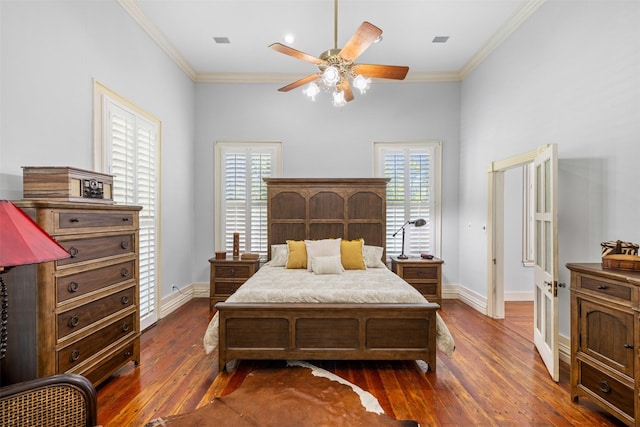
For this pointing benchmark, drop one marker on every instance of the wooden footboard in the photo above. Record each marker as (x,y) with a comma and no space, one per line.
(327,332)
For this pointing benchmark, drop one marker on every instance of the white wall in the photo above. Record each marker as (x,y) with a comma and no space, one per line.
(570,75)
(322,141)
(51,53)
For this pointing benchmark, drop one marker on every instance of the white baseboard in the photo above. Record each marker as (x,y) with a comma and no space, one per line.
(518,296)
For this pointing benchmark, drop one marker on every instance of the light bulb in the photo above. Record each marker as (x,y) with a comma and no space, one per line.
(362,83)
(338,99)
(330,76)
(312,90)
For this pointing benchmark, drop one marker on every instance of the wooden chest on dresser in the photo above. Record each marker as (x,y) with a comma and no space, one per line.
(605,339)
(422,274)
(227,275)
(78,314)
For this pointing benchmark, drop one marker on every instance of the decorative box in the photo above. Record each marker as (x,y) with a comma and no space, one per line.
(619,247)
(63,183)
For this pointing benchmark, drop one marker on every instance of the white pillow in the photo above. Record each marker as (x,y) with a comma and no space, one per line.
(373,256)
(326,264)
(324,247)
(279,255)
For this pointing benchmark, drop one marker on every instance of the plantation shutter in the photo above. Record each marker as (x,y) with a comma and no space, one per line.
(244,201)
(132,143)
(410,196)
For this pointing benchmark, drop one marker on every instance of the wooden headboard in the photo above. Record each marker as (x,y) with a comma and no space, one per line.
(319,208)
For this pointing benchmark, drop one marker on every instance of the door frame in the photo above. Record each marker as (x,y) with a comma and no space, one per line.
(495,228)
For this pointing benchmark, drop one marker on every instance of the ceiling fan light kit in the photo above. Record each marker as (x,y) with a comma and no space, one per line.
(338,72)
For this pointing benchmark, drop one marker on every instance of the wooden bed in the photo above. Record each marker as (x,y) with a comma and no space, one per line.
(301,209)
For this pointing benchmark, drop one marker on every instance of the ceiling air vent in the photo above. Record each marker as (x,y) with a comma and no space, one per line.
(440,39)
(221,40)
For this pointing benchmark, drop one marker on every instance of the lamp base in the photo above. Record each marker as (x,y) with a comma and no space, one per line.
(402,256)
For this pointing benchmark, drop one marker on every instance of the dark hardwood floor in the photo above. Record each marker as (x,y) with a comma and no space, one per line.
(495,376)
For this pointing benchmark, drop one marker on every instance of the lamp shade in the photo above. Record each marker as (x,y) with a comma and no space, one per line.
(22,241)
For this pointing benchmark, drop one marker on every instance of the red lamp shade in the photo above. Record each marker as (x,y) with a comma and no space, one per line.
(22,241)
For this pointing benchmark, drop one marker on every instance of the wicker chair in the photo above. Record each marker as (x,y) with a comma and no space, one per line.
(59,400)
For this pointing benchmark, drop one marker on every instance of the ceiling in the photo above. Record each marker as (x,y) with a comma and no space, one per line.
(185,29)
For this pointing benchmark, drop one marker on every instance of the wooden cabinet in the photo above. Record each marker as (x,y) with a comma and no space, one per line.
(78,314)
(226,276)
(423,274)
(605,339)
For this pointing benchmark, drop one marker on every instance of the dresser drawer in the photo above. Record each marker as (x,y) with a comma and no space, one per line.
(102,370)
(225,287)
(607,388)
(79,284)
(619,291)
(72,220)
(80,351)
(232,271)
(426,288)
(80,317)
(97,247)
(410,273)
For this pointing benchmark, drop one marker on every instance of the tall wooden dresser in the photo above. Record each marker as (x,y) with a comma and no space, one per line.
(605,339)
(78,314)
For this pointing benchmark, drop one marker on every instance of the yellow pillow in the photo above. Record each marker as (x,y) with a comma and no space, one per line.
(351,254)
(297,254)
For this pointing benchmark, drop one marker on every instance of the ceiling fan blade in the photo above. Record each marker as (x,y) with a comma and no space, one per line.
(364,37)
(279,47)
(299,83)
(397,72)
(345,87)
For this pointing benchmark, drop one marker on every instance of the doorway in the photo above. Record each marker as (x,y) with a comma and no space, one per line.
(509,205)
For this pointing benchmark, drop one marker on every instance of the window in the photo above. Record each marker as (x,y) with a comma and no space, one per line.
(242,193)
(528,217)
(127,147)
(413,193)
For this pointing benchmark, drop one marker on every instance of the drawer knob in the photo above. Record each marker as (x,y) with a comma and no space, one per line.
(125,299)
(124,244)
(125,219)
(73,251)
(73,287)
(233,271)
(74,219)
(628,346)
(127,354)
(601,287)
(125,327)
(604,387)
(75,355)
(124,272)
(73,321)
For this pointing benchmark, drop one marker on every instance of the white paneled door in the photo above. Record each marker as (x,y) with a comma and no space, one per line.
(545,325)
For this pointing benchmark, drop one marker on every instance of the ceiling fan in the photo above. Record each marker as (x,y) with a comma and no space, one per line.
(338,72)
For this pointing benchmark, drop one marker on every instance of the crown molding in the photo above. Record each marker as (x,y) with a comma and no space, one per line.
(150,28)
(521,15)
(518,18)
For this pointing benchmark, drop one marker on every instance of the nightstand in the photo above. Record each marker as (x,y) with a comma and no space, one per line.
(226,276)
(423,274)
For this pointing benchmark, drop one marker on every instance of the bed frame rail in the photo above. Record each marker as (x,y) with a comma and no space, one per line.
(327,332)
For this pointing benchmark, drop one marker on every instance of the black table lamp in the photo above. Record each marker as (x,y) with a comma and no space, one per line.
(417,223)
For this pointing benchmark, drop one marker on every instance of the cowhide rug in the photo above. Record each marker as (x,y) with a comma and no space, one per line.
(298,395)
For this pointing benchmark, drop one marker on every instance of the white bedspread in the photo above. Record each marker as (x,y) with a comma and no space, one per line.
(374,285)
